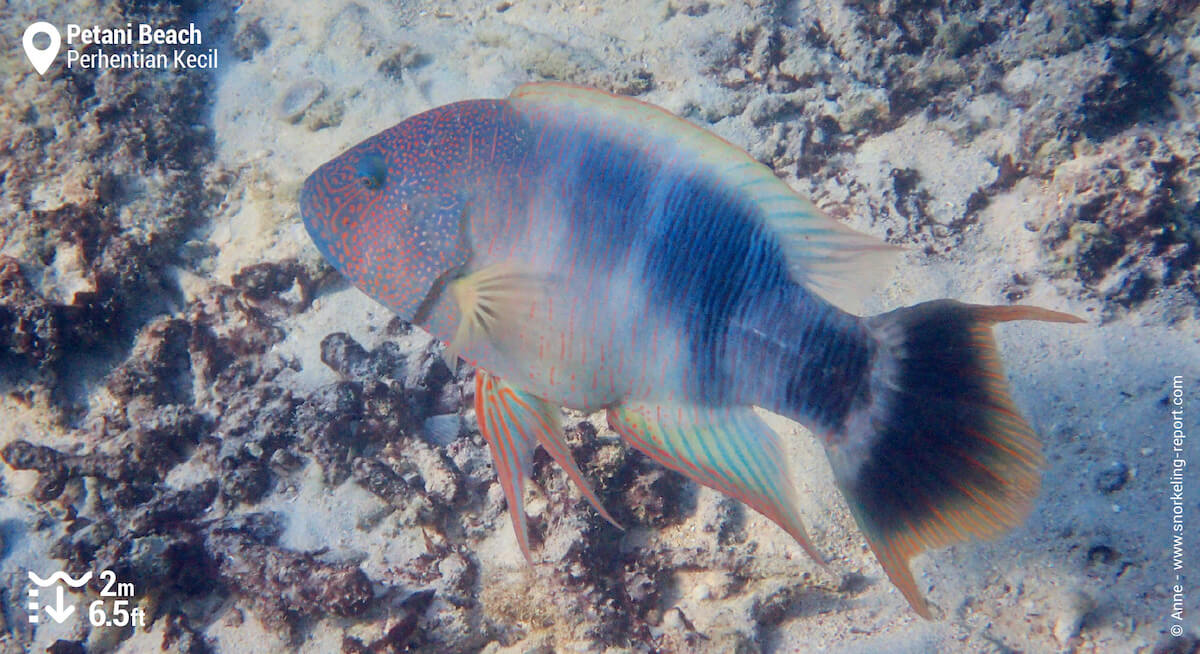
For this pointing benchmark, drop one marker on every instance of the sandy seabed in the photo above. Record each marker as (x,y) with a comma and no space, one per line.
(192,399)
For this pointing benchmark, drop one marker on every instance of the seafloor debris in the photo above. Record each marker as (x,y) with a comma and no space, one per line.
(103,175)
(250,38)
(1126,221)
(396,638)
(277,288)
(1113,478)
(30,328)
(285,585)
(57,468)
(180,637)
(297,98)
(406,56)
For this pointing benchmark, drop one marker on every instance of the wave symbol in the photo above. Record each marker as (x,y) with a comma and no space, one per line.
(60,576)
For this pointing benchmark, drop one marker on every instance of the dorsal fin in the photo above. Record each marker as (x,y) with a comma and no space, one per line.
(830,259)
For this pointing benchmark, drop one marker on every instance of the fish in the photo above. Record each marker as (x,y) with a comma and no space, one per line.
(591,251)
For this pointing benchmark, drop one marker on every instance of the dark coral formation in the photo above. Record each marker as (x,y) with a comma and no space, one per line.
(1125,225)
(250,431)
(101,252)
(288,585)
(1066,79)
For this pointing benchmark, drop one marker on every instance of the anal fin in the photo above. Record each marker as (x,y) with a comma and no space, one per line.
(727,448)
(513,422)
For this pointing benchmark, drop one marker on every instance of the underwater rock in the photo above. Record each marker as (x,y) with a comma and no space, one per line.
(436,476)
(407,56)
(170,562)
(159,367)
(960,34)
(57,468)
(250,39)
(720,515)
(297,99)
(819,141)
(30,328)
(23,455)
(261,526)
(281,288)
(246,483)
(1113,478)
(633,488)
(1120,226)
(284,586)
(1127,85)
(399,636)
(382,480)
(427,369)
(173,507)
(652,496)
(344,355)
(179,637)
(326,423)
(1093,92)
(627,81)
(326,112)
(257,423)
(104,173)
(229,338)
(164,436)
(62,646)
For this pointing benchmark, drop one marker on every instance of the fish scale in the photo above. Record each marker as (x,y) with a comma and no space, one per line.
(590,251)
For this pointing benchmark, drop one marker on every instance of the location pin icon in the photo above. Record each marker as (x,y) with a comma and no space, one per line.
(41,58)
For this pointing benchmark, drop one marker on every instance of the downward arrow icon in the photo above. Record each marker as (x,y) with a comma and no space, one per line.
(58,613)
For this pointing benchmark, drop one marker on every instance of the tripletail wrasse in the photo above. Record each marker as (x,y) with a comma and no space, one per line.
(595,252)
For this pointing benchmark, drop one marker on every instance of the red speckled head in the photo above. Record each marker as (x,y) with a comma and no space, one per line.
(390,212)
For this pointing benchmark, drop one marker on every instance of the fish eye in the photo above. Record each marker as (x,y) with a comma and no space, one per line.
(371,172)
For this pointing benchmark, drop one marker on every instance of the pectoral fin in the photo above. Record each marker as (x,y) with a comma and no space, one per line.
(729,449)
(495,304)
(513,422)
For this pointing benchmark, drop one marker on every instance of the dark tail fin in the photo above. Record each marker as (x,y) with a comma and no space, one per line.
(940,455)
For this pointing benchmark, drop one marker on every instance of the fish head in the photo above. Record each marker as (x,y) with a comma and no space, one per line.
(390,216)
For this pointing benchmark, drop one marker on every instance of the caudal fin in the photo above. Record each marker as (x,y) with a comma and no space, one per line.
(941,454)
